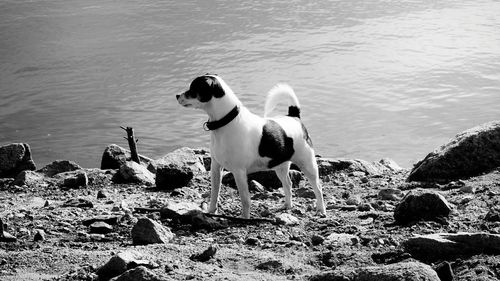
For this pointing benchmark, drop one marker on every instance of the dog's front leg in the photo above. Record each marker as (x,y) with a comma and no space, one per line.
(215,176)
(241,181)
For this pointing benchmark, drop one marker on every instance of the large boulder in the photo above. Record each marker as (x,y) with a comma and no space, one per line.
(468,154)
(114,156)
(73,179)
(327,166)
(177,168)
(404,271)
(14,158)
(421,205)
(31,179)
(184,158)
(59,166)
(441,246)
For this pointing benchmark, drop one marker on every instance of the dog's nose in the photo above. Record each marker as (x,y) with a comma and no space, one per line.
(177,96)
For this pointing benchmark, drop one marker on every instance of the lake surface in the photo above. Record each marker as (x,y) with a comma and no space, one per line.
(381,78)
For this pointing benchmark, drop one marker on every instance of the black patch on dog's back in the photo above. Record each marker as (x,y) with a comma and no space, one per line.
(275,144)
(204,88)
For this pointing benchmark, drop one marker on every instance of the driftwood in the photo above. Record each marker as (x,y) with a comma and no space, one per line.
(132,143)
(231,218)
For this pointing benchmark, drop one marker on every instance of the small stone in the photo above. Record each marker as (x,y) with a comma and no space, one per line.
(78,203)
(102,194)
(421,205)
(341,239)
(287,219)
(147,231)
(255,186)
(39,235)
(391,194)
(252,241)
(205,255)
(468,189)
(493,215)
(353,200)
(100,227)
(317,240)
(444,271)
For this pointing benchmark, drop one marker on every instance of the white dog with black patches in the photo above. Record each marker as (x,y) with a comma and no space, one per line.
(243,143)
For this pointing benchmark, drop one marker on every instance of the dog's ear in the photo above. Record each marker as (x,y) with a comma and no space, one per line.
(207,87)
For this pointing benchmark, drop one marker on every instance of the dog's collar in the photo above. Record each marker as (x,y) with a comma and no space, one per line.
(214,125)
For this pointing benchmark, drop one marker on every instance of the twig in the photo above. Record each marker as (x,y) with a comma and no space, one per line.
(132,143)
(242,220)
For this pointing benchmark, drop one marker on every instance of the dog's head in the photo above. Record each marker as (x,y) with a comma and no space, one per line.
(202,90)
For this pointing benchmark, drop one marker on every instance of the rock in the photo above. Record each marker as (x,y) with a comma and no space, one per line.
(100,227)
(15,158)
(205,255)
(272,266)
(39,235)
(111,220)
(74,179)
(468,154)
(468,189)
(353,200)
(139,273)
(418,205)
(101,194)
(172,176)
(305,192)
(444,271)
(136,173)
(252,241)
(78,203)
(441,246)
(184,158)
(118,264)
(255,186)
(59,166)
(178,210)
(4,235)
(146,231)
(198,220)
(328,166)
(391,194)
(30,178)
(266,178)
(114,156)
(287,219)
(493,215)
(341,239)
(404,271)
(317,240)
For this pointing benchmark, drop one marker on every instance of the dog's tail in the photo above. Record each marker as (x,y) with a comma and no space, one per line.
(282,93)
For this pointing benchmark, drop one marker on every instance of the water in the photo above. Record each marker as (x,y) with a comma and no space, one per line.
(382,78)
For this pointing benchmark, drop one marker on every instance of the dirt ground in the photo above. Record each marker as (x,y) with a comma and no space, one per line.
(260,251)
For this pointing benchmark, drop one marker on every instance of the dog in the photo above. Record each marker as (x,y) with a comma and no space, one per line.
(243,143)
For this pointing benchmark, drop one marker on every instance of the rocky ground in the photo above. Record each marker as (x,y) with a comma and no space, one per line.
(54,241)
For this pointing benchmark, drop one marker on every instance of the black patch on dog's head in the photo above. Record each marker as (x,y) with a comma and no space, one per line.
(204,88)
(275,144)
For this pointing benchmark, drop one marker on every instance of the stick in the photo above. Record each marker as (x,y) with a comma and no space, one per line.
(242,220)
(132,144)
(237,219)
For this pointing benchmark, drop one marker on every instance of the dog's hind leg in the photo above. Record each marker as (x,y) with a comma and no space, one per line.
(282,173)
(240,177)
(309,167)
(215,176)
